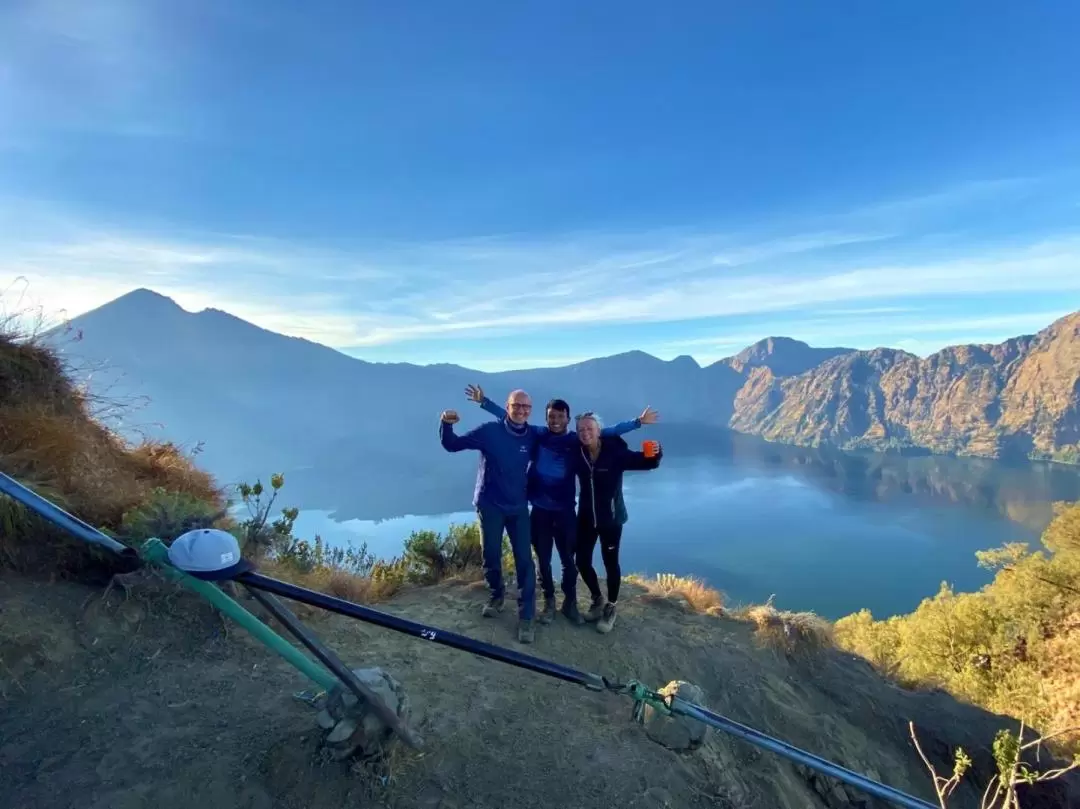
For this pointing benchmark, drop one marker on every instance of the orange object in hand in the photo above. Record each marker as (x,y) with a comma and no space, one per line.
(650,448)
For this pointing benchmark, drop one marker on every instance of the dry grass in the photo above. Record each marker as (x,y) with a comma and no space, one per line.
(333,582)
(799,635)
(692,593)
(50,442)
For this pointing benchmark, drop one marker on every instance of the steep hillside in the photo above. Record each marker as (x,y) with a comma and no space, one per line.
(105,691)
(1020,398)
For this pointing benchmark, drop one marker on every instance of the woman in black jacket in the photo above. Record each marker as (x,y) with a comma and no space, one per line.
(601,510)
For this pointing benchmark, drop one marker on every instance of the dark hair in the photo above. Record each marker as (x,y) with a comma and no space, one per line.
(558,404)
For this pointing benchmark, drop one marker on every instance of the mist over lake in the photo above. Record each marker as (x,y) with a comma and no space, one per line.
(824,531)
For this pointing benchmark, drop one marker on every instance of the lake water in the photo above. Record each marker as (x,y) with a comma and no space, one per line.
(832,533)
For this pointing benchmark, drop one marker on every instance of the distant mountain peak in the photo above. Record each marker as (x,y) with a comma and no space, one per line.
(784,356)
(143,297)
(685,359)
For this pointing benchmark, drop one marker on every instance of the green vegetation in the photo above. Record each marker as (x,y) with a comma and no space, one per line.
(1013,647)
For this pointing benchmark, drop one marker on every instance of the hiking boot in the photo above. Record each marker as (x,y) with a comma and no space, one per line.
(492,608)
(526,633)
(547,614)
(571,612)
(596,611)
(607,620)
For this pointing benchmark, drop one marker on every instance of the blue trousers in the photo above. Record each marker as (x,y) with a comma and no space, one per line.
(555,530)
(492,524)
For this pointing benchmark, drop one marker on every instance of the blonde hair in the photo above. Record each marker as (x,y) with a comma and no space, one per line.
(588,414)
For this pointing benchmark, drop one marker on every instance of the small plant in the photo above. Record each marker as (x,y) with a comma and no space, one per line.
(256,536)
(1012,770)
(166,515)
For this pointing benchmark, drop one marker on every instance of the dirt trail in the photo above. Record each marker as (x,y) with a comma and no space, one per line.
(153,702)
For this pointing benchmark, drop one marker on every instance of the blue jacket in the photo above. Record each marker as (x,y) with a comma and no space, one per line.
(505,453)
(551,478)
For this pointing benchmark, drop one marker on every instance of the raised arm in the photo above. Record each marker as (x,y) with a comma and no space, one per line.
(492,408)
(648,416)
(475,393)
(633,461)
(474,439)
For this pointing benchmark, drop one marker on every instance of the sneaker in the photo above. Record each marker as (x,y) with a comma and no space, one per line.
(547,614)
(493,607)
(571,612)
(526,633)
(607,620)
(596,611)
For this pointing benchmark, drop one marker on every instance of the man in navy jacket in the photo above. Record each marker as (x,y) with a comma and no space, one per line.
(506,448)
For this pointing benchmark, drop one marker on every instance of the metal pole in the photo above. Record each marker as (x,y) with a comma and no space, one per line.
(440,636)
(154,550)
(56,515)
(327,657)
(793,753)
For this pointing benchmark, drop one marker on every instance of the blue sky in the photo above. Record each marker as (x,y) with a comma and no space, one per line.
(515,184)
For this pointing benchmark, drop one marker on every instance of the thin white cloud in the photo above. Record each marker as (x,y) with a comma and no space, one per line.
(372,294)
(862,333)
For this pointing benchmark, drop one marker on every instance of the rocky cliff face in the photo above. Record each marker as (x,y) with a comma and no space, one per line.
(1017,398)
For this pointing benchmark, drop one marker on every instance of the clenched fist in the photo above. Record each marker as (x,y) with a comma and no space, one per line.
(449,417)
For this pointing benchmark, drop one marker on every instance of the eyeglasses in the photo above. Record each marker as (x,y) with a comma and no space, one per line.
(518,406)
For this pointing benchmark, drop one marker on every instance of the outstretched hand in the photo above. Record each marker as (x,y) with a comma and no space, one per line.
(649,416)
(475,393)
(449,417)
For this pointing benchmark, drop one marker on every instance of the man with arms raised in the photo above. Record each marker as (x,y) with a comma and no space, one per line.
(551,492)
(506,448)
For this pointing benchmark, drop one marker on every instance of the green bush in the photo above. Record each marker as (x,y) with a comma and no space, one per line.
(430,556)
(166,515)
(306,557)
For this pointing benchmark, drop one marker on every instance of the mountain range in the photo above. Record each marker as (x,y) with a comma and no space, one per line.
(255,401)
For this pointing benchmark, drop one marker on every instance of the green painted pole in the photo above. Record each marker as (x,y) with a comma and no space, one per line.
(154,550)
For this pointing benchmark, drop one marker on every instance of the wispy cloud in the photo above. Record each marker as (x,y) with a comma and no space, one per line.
(909,332)
(373,294)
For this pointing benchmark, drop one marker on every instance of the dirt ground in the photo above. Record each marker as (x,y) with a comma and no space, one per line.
(154,702)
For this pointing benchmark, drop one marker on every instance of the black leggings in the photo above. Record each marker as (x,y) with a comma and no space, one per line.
(610,537)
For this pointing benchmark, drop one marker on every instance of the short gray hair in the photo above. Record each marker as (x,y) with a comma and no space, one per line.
(588,414)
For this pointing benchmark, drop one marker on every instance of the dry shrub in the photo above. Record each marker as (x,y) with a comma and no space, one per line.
(693,593)
(799,635)
(50,442)
(333,582)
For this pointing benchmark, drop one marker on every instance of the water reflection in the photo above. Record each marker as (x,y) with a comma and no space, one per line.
(440,483)
(823,530)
